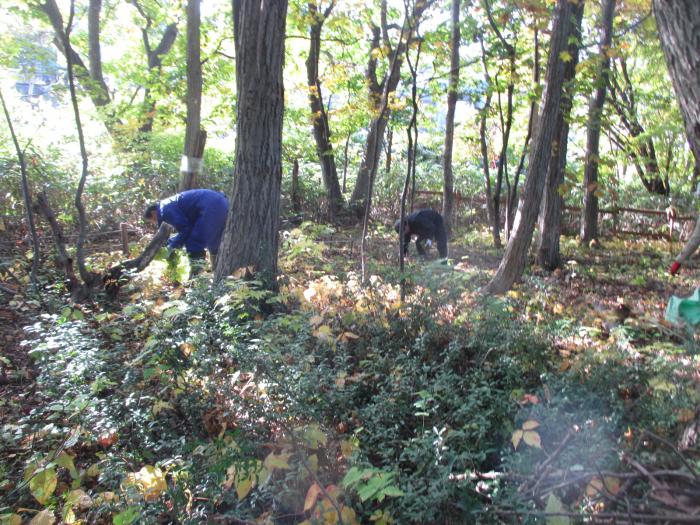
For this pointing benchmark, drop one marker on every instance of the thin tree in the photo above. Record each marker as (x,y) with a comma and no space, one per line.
(90,77)
(195,137)
(250,239)
(154,56)
(506,121)
(448,176)
(589,213)
(379,91)
(25,196)
(531,123)
(319,116)
(493,219)
(548,255)
(515,258)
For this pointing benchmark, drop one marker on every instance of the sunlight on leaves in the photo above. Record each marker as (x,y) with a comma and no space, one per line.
(150,481)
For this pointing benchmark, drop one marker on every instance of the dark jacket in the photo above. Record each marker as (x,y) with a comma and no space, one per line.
(199,216)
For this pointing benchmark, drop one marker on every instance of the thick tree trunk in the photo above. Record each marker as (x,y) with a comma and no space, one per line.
(250,238)
(589,214)
(515,257)
(678,22)
(448,177)
(195,137)
(321,127)
(548,255)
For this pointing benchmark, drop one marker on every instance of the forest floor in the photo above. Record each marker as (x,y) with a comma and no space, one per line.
(603,310)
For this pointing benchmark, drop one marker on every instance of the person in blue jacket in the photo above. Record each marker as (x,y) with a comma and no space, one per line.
(199,216)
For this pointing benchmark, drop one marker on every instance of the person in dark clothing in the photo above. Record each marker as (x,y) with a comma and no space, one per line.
(426,225)
(199,216)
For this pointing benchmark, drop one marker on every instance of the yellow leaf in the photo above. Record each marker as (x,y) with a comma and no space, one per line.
(558,309)
(315,320)
(530,424)
(516,437)
(347,447)
(348,515)
(10,519)
(150,481)
(243,487)
(347,336)
(45,517)
(565,56)
(532,438)
(186,349)
(273,461)
(685,415)
(43,484)
(608,485)
(311,496)
(340,379)
(324,333)
(313,436)
(159,406)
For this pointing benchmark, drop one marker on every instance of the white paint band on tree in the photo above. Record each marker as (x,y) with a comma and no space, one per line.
(190,164)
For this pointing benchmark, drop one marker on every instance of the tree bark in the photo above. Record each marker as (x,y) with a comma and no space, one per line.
(589,216)
(90,78)
(515,258)
(643,156)
(36,255)
(321,126)
(195,137)
(448,176)
(494,220)
(678,22)
(548,255)
(250,238)
(377,92)
(507,123)
(531,124)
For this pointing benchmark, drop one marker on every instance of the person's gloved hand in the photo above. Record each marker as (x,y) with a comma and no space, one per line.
(674,268)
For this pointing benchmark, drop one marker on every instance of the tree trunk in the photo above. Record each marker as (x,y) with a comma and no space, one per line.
(154,64)
(195,137)
(643,156)
(250,238)
(678,22)
(494,220)
(589,214)
(321,127)
(377,92)
(507,123)
(515,257)
(295,197)
(548,255)
(448,188)
(531,123)
(90,78)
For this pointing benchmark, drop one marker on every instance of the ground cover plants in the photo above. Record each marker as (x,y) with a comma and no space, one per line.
(182,402)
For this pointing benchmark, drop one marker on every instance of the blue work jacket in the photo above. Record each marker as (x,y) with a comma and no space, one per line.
(199,216)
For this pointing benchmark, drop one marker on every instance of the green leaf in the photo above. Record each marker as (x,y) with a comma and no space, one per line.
(127,517)
(43,484)
(554,505)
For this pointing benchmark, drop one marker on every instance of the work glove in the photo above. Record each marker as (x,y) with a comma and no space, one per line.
(674,268)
